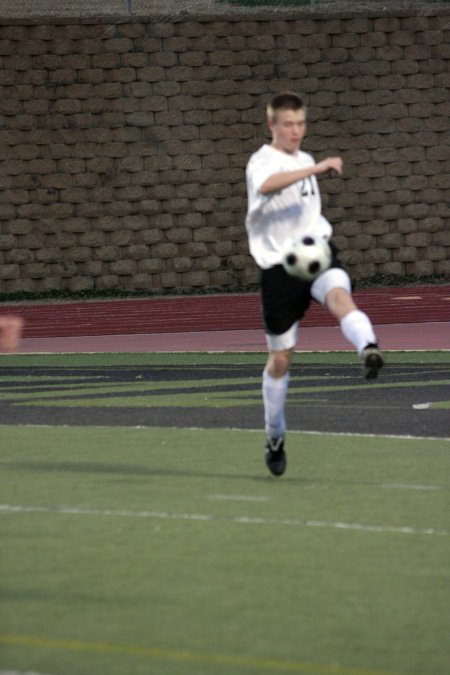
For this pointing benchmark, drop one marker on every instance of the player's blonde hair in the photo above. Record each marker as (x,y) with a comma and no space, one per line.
(284,100)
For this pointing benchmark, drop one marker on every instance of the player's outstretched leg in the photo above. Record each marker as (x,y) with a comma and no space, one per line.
(372,360)
(333,289)
(358,329)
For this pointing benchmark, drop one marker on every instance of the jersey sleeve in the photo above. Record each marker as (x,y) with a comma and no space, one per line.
(259,171)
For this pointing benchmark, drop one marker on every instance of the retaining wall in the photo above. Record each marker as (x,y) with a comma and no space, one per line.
(124,142)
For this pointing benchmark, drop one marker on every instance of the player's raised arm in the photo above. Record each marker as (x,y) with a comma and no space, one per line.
(283,180)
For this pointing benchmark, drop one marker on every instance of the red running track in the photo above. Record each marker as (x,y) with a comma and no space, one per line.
(215,313)
(417,336)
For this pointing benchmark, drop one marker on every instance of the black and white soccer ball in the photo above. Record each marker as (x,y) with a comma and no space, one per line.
(306,257)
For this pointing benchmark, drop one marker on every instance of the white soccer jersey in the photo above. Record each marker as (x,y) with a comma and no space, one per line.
(296,210)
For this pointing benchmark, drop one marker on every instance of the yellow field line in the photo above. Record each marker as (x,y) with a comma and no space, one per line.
(184,656)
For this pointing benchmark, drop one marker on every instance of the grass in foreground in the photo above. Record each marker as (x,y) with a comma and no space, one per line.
(135,551)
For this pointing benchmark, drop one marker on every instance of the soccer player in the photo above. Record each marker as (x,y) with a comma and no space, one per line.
(10,333)
(283,201)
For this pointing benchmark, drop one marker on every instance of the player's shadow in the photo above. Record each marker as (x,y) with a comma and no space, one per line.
(127,471)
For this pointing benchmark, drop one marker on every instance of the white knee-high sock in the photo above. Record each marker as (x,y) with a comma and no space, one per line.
(357,328)
(274,396)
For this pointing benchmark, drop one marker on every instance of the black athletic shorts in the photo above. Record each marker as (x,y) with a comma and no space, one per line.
(285,298)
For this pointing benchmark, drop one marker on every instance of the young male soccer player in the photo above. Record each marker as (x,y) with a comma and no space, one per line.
(284,200)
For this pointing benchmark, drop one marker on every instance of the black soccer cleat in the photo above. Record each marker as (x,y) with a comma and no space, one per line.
(372,361)
(275,456)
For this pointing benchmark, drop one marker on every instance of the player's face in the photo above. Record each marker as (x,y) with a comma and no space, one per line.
(288,128)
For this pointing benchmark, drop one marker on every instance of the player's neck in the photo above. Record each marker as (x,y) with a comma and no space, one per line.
(284,150)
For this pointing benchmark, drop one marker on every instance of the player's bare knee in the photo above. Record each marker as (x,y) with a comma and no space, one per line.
(340,302)
(279,362)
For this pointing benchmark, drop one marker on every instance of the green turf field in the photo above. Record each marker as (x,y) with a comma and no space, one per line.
(157,550)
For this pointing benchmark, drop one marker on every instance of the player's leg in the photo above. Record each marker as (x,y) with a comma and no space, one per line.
(10,332)
(333,289)
(275,382)
(284,300)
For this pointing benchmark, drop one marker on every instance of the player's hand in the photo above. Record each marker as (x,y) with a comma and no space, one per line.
(331,164)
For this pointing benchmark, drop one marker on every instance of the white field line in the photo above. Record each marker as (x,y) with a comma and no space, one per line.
(383,486)
(237,498)
(410,486)
(207,517)
(19,672)
(405,437)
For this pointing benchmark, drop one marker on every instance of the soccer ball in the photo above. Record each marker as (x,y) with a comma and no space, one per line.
(306,257)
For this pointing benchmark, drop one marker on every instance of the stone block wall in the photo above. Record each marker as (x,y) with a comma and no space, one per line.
(124,143)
